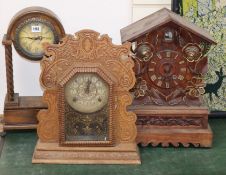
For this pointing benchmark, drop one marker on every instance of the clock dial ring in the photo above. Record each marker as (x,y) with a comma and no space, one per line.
(167,69)
(36,38)
(87,92)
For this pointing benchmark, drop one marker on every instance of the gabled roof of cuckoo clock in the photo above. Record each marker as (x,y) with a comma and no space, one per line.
(158,19)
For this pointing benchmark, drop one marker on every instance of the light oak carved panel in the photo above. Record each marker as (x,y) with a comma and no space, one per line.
(87,52)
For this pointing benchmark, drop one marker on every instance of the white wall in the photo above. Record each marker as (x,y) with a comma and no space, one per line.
(104,16)
(142,8)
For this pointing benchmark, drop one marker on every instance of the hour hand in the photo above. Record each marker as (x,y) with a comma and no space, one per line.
(32,38)
(88,86)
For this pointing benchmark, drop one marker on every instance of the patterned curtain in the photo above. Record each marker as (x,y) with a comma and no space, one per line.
(211,15)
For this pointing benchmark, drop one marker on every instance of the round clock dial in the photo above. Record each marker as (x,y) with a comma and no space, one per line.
(167,69)
(30,36)
(87,92)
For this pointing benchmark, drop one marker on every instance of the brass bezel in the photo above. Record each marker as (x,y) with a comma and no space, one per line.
(61,109)
(20,50)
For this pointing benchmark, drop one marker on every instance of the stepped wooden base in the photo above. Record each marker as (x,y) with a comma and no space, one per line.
(21,113)
(165,125)
(166,137)
(52,153)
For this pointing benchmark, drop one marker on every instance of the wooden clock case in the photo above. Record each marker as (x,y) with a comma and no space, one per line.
(169,80)
(87,51)
(20,111)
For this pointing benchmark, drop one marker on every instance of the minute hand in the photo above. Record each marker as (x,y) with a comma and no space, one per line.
(42,37)
(33,38)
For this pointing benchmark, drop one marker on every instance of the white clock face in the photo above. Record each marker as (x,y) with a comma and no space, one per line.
(87,92)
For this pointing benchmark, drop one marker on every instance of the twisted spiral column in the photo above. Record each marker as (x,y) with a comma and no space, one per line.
(9,72)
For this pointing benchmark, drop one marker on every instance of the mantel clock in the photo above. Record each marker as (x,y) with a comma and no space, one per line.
(28,30)
(86,81)
(170,63)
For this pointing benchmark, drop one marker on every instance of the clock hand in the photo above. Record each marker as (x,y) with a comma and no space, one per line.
(88,86)
(32,38)
(37,38)
(46,37)
(42,37)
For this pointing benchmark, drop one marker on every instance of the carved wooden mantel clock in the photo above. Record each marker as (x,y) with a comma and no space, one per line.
(170,64)
(86,81)
(27,31)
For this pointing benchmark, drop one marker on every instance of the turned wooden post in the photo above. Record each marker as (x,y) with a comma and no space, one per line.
(9,68)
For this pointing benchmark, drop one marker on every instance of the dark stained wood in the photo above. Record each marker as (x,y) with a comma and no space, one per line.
(25,113)
(30,102)
(157,19)
(9,68)
(21,111)
(175,137)
(170,64)
(170,125)
(87,52)
(34,11)
(23,116)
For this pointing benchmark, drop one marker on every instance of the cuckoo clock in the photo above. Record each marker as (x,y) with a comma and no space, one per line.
(170,63)
(86,81)
(27,31)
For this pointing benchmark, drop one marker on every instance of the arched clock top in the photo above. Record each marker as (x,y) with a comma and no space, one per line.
(30,28)
(86,47)
(169,54)
(36,11)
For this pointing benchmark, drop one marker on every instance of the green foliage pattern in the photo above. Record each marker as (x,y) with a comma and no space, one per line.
(214,23)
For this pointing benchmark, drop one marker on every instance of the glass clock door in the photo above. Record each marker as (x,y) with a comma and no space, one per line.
(86,108)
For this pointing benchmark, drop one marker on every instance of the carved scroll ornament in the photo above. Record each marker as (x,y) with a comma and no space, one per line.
(87,50)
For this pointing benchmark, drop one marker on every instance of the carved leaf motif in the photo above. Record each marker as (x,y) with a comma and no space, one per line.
(86,46)
(169,121)
(176,97)
(157,97)
(140,88)
(126,134)
(124,75)
(195,87)
(192,52)
(48,127)
(52,72)
(201,66)
(87,51)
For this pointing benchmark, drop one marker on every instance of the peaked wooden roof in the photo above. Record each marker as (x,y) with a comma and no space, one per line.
(160,18)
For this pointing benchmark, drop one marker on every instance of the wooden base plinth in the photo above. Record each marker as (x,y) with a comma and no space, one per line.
(21,114)
(165,125)
(52,153)
(175,137)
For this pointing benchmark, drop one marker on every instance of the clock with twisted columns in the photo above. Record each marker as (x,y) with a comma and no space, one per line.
(86,81)
(27,31)
(170,64)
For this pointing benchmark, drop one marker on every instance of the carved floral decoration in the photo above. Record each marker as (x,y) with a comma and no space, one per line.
(192,63)
(192,52)
(91,50)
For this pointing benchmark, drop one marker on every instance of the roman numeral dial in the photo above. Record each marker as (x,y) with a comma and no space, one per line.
(167,69)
